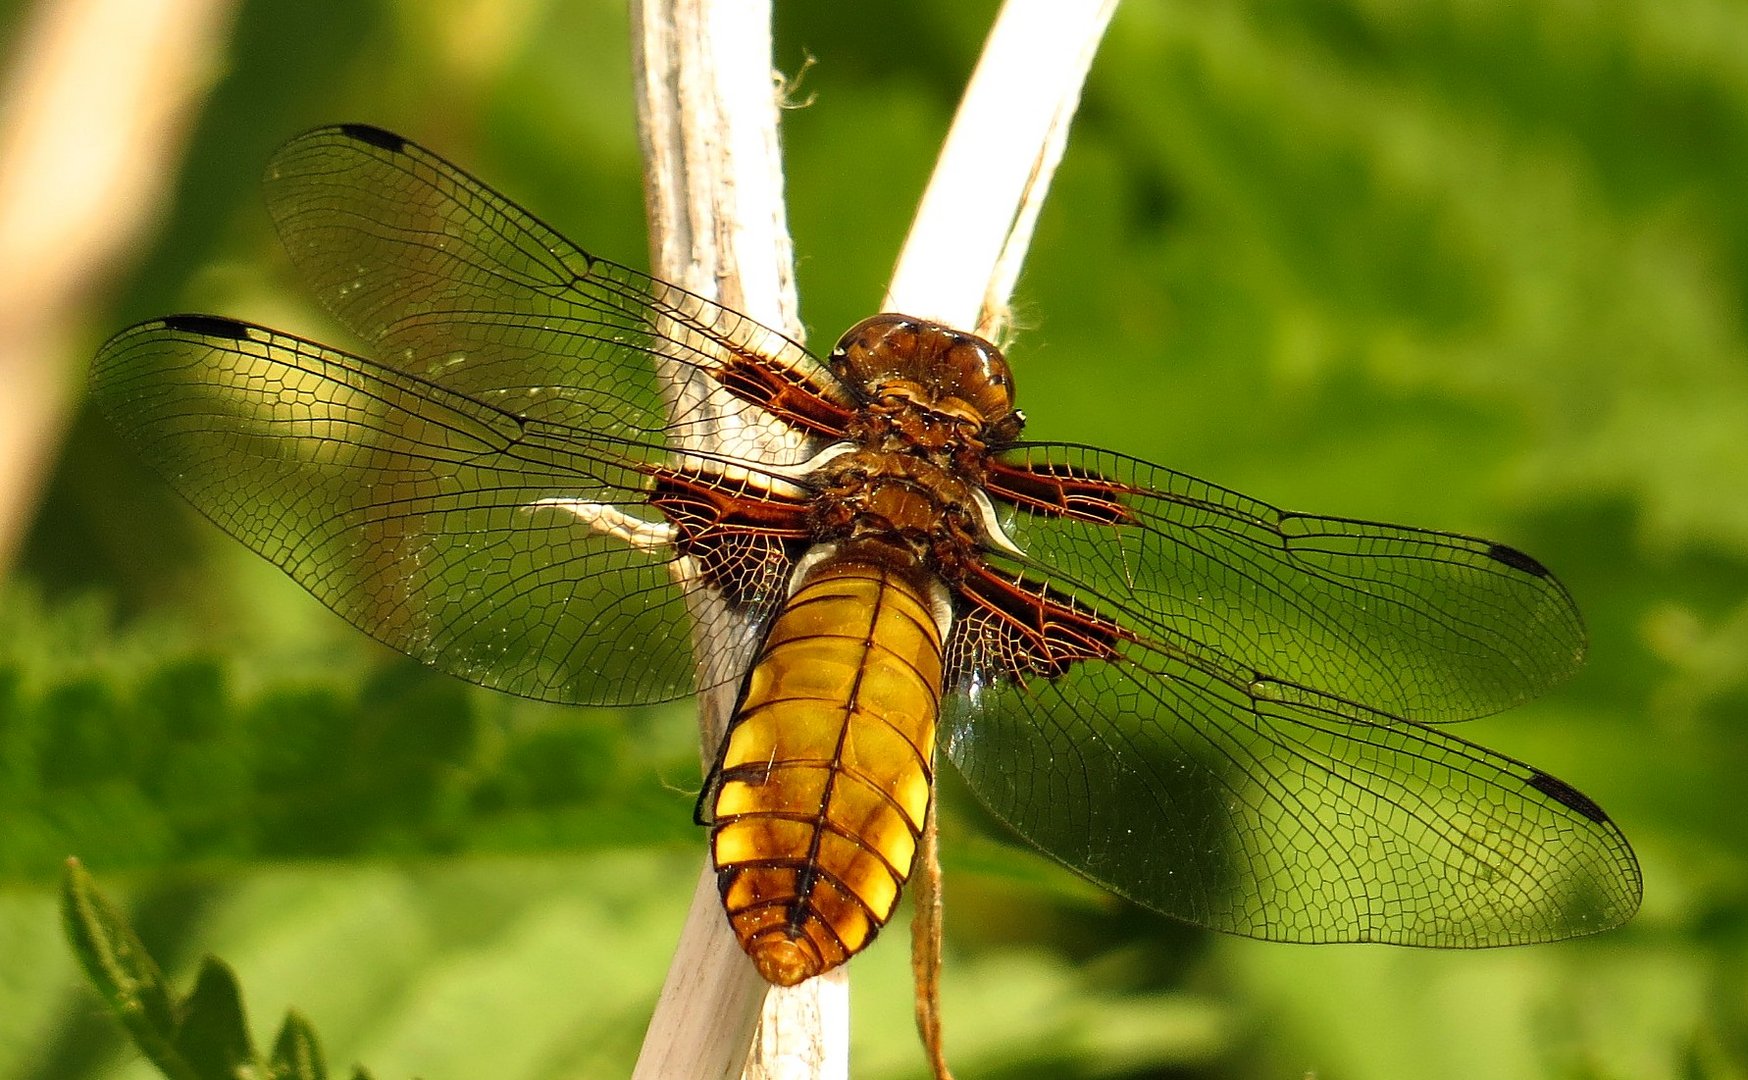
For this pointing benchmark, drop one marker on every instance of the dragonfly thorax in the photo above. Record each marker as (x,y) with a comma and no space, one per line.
(932,400)
(905,501)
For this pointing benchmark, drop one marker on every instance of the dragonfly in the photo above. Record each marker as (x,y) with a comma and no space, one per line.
(541,463)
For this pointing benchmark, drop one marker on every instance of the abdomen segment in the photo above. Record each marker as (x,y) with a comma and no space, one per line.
(825,775)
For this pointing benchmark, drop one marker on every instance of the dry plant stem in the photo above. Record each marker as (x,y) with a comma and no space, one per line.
(99,95)
(707,113)
(963,255)
(708,118)
(925,944)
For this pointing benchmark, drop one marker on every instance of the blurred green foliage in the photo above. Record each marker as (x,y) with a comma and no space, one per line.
(137,753)
(1472,265)
(201,1036)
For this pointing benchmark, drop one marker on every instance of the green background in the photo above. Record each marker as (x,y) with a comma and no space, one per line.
(1478,265)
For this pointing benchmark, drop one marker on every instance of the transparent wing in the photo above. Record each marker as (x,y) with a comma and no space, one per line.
(508,487)
(446,279)
(1426,625)
(1260,807)
(505,550)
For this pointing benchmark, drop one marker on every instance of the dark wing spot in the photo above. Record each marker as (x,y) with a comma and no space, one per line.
(208,326)
(375,136)
(1567,795)
(1517,560)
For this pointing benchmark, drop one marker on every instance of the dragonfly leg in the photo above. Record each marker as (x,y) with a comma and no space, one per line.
(925,944)
(610,520)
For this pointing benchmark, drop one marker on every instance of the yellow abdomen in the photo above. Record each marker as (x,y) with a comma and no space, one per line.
(825,777)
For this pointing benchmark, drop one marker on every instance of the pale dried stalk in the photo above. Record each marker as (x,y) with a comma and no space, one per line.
(963,254)
(96,103)
(707,105)
(708,117)
(962,257)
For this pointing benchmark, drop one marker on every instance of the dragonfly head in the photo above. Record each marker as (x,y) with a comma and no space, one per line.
(947,371)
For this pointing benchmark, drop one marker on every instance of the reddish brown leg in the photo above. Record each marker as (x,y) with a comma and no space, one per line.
(925,944)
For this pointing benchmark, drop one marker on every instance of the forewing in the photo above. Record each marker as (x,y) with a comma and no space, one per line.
(1425,625)
(1263,808)
(447,280)
(508,548)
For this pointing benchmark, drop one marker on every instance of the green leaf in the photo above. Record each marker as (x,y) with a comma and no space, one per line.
(206,1037)
(214,1036)
(296,1053)
(124,974)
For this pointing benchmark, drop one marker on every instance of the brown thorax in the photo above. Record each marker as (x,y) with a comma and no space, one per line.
(934,399)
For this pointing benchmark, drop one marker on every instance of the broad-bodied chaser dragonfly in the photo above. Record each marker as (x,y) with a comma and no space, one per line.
(1222,711)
